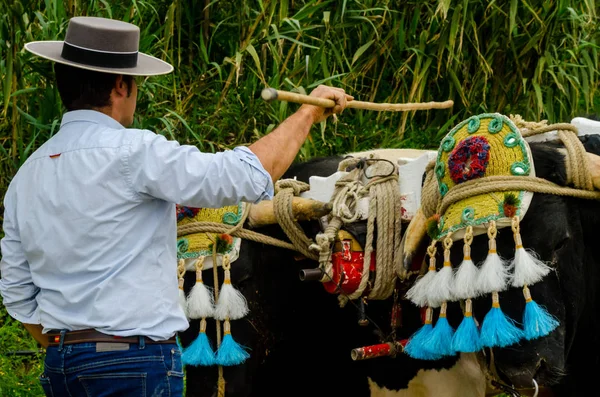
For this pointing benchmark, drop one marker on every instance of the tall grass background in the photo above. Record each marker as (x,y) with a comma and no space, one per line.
(536,58)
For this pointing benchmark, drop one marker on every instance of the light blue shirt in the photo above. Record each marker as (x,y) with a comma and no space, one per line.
(90,225)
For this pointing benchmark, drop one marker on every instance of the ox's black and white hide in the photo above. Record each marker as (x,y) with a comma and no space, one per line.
(300,339)
(563,231)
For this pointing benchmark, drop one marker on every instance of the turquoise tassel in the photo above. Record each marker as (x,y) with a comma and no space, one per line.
(537,322)
(440,339)
(467,339)
(230,352)
(417,346)
(498,329)
(200,351)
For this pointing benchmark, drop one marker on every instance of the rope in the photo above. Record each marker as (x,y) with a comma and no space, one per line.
(282,206)
(576,159)
(214,227)
(507,183)
(384,213)
(221,379)
(345,199)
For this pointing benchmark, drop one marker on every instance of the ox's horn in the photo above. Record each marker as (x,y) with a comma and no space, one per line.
(304,209)
(594,167)
(413,235)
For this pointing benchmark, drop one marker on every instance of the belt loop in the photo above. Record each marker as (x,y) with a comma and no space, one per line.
(142,343)
(63,332)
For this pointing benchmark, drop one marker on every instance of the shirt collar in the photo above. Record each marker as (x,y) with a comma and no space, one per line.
(90,116)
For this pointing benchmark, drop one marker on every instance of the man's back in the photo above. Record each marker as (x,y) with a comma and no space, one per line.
(100,252)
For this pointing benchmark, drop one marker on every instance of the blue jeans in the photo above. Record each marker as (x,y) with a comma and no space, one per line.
(141,370)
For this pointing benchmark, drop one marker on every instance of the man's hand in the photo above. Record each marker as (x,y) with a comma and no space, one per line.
(320,114)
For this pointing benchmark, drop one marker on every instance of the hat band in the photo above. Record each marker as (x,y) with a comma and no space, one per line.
(90,57)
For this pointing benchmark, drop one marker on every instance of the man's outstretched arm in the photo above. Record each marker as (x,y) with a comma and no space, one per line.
(277,150)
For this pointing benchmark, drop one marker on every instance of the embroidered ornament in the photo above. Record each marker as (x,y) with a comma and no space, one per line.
(200,248)
(485,146)
(192,244)
(469,160)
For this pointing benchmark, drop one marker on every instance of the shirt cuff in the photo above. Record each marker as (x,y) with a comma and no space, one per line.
(259,173)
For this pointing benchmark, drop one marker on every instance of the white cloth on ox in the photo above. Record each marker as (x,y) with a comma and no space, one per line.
(411,166)
(584,126)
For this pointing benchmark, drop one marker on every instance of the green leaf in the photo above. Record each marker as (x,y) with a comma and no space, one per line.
(513,17)
(361,50)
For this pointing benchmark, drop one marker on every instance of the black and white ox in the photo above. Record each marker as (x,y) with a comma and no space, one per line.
(300,339)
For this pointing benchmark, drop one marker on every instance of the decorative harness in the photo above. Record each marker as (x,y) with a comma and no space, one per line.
(466,192)
(483,179)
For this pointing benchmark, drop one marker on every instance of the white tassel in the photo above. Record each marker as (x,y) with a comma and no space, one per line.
(417,294)
(494,273)
(528,268)
(200,302)
(442,287)
(181,273)
(232,303)
(465,283)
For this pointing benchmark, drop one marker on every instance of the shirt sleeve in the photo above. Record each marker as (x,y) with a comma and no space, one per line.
(183,175)
(16,285)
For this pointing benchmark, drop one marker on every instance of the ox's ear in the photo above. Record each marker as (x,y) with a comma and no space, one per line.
(263,213)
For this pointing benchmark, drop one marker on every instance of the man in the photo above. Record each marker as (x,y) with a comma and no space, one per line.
(89,253)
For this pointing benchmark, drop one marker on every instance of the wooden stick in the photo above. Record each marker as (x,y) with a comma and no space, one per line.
(271,94)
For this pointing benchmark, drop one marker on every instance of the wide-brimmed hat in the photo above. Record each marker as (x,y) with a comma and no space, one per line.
(102,45)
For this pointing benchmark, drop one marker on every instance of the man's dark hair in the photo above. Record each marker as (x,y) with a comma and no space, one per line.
(86,89)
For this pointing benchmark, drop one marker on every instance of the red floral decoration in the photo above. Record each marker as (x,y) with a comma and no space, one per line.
(469,159)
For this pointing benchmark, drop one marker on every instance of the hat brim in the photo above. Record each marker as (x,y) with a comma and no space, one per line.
(147,65)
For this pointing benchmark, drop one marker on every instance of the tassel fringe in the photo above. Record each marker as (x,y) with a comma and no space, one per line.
(200,301)
(199,352)
(230,352)
(441,287)
(467,338)
(418,292)
(493,274)
(465,282)
(417,346)
(528,268)
(440,339)
(497,328)
(537,322)
(231,304)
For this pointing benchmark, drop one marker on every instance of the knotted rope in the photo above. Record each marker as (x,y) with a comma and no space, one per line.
(214,227)
(576,163)
(384,214)
(285,190)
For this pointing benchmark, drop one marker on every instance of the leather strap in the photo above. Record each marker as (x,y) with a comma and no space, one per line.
(91,335)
